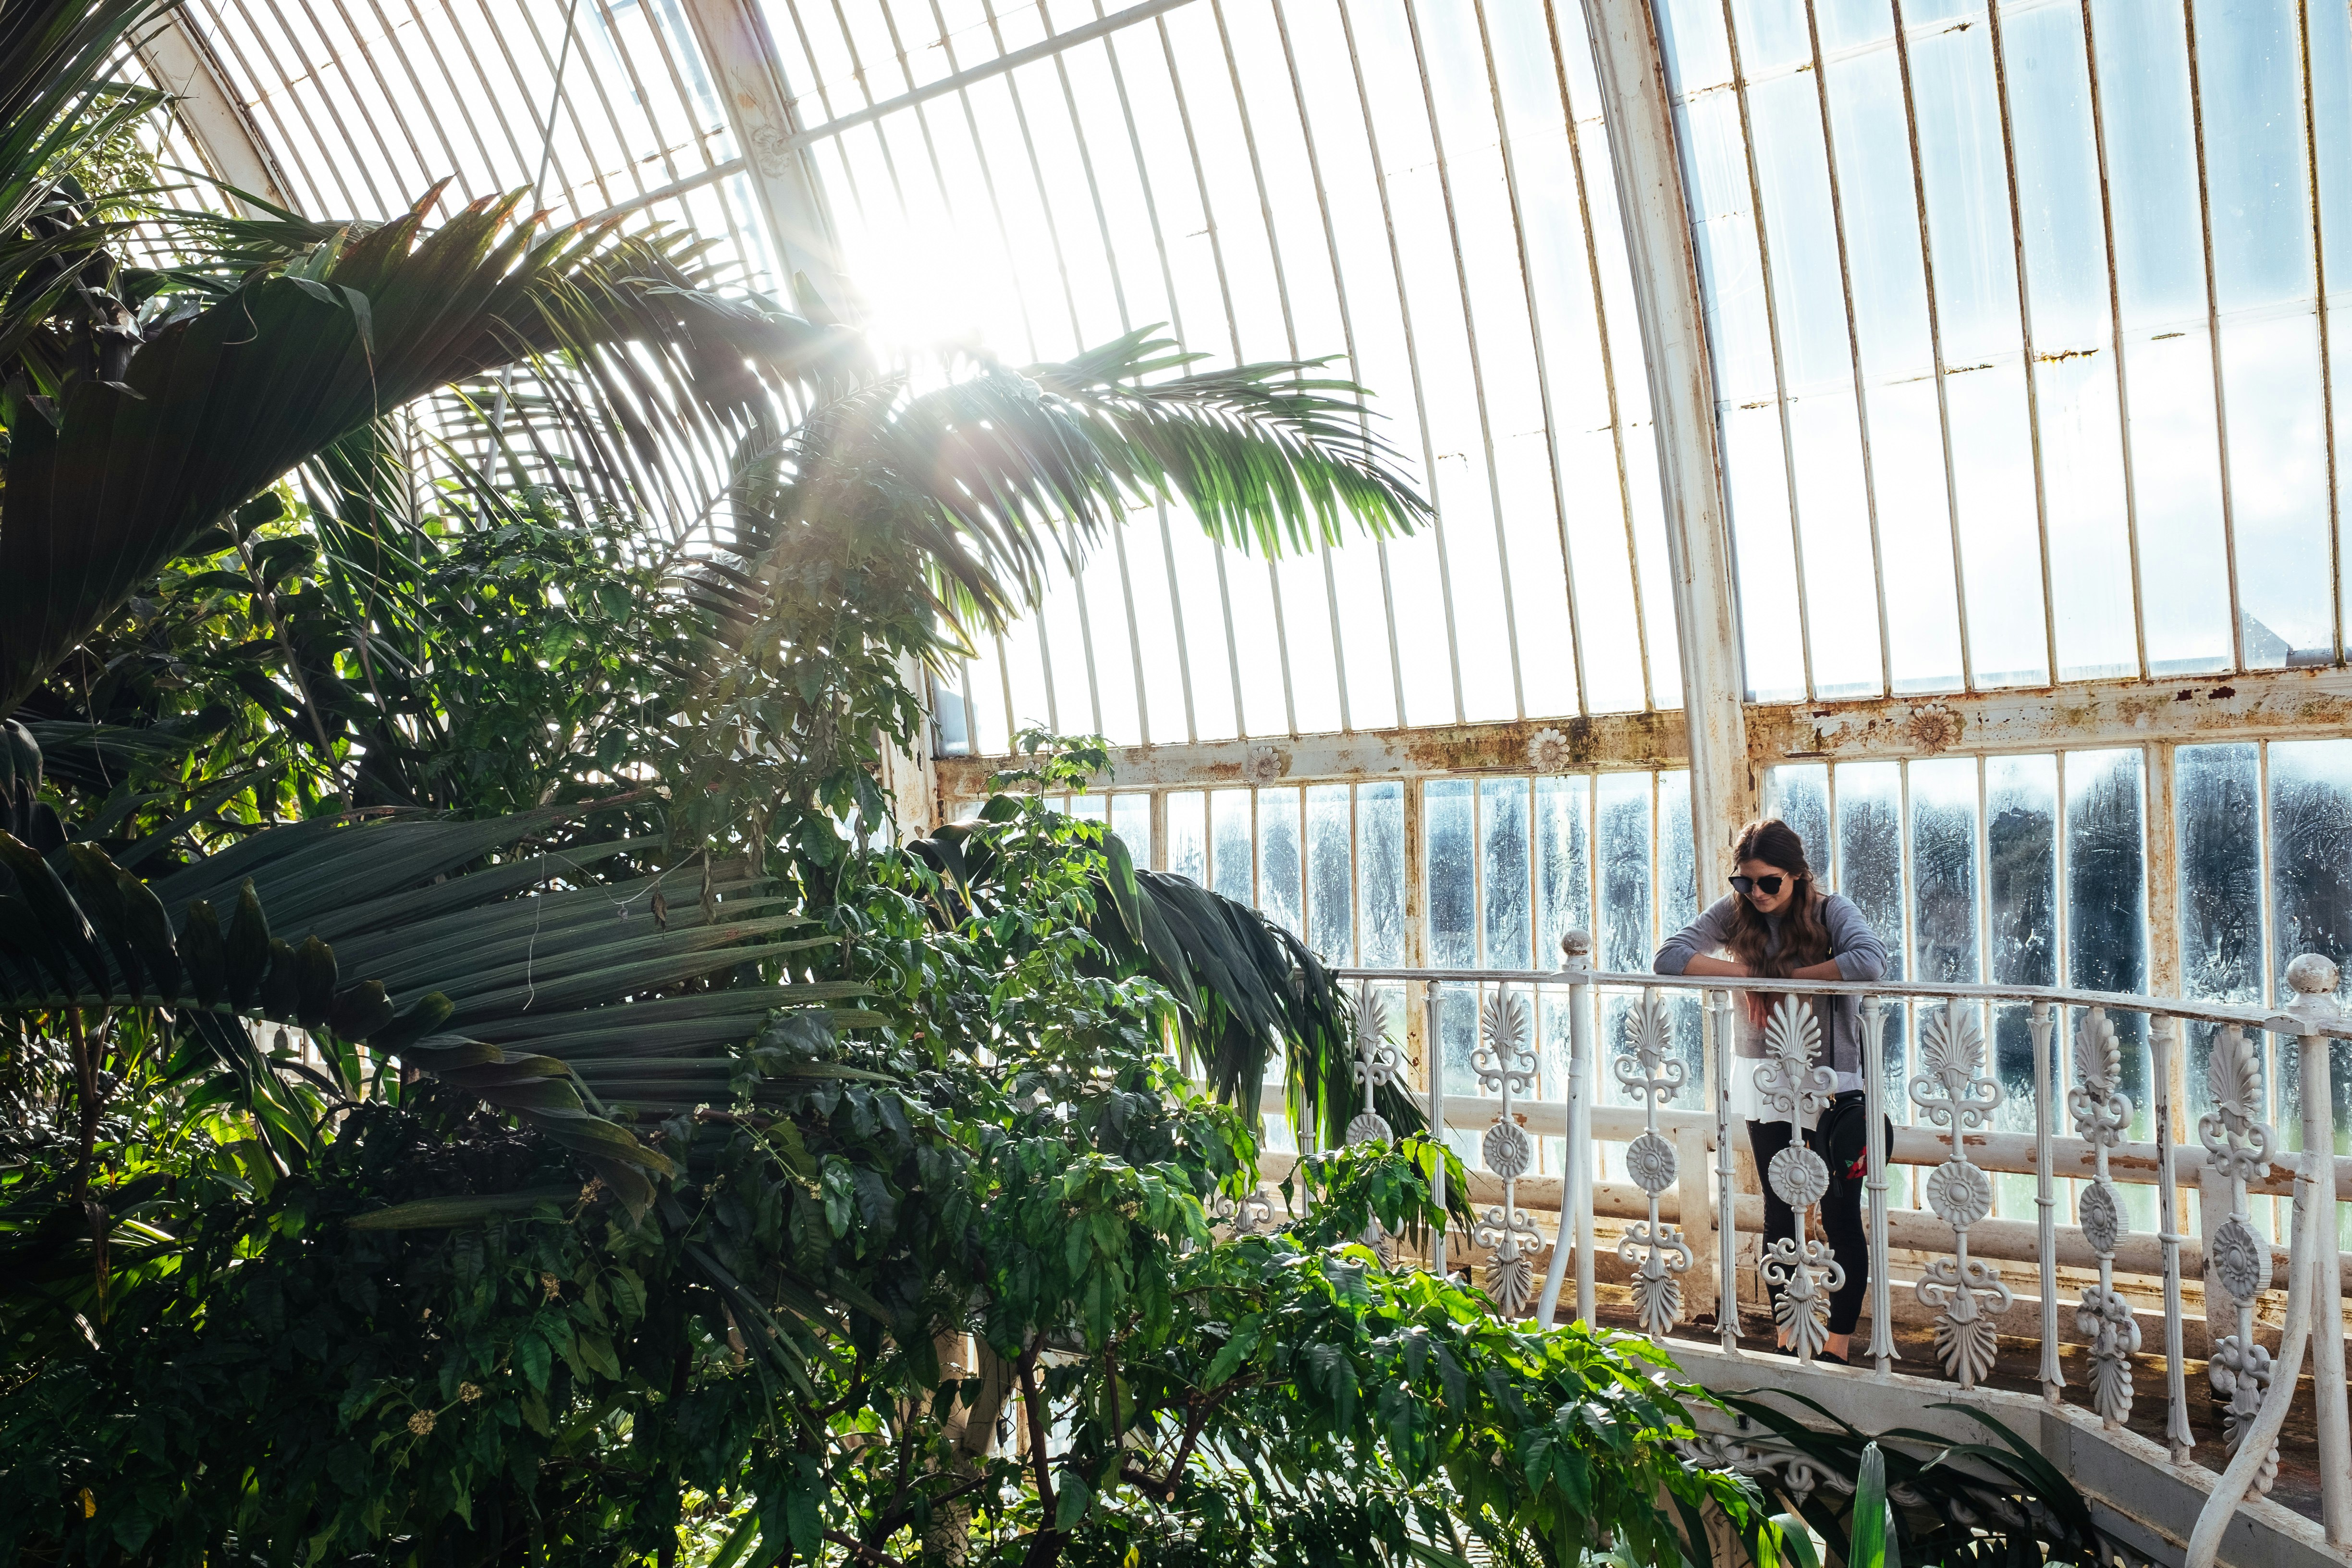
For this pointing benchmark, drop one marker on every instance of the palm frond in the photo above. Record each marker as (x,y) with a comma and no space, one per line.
(115,478)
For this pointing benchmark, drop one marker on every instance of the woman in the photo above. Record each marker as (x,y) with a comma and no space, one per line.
(1775,923)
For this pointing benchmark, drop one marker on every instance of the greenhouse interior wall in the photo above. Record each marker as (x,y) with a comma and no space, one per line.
(2027,449)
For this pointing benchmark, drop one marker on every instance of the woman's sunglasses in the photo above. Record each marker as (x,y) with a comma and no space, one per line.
(1769,886)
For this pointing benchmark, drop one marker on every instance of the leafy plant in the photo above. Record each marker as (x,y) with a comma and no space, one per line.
(2009,1505)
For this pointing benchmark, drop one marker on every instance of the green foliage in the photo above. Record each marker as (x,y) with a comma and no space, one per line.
(2003,1504)
(656,1163)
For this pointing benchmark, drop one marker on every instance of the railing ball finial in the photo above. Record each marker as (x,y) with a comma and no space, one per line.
(1575,949)
(2312,977)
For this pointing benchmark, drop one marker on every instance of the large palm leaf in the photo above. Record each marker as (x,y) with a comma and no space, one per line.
(578,1001)
(113,479)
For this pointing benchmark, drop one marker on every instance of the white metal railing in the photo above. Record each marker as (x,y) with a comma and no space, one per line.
(2077,1073)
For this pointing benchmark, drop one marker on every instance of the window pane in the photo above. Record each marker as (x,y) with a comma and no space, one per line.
(1944,869)
(1381,873)
(2219,794)
(1188,841)
(1279,886)
(1229,844)
(2311,836)
(1677,874)
(1447,810)
(1626,941)
(2106,925)
(1131,818)
(1330,902)
(1503,853)
(1563,863)
(1799,794)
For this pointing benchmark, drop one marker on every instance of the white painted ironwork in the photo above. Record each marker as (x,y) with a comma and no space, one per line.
(1726,1177)
(2313,1277)
(1883,1353)
(1378,1064)
(1806,1271)
(1657,1251)
(2101,1114)
(1432,1048)
(1505,1064)
(2164,1033)
(1967,1294)
(1953,1086)
(1576,953)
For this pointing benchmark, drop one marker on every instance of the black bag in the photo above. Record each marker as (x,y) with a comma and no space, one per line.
(1842,1134)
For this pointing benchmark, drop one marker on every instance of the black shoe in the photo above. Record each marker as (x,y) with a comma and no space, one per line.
(1832,1358)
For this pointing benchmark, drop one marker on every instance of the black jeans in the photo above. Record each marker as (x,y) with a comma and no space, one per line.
(1841,1219)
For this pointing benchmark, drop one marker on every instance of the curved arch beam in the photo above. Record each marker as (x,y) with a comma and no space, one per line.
(1642,150)
(744,62)
(231,145)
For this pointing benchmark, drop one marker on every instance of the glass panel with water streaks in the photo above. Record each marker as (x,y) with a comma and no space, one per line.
(1563,860)
(1505,921)
(1380,872)
(1188,838)
(1330,894)
(1448,822)
(1279,881)
(2021,921)
(1869,870)
(2219,815)
(1944,869)
(2106,906)
(1626,939)
(1231,870)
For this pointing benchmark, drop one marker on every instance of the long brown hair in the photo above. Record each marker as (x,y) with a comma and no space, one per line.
(1804,937)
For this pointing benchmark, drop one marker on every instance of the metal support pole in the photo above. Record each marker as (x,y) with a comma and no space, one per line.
(2045,1198)
(1576,958)
(2163,1042)
(1577,1191)
(2326,1282)
(1873,1103)
(1726,1177)
(1433,1059)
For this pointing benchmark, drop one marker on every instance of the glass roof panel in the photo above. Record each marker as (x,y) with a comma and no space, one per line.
(365,103)
(1399,187)
(1917,289)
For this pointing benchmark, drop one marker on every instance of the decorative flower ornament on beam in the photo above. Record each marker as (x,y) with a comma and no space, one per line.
(1505,1064)
(1966,1293)
(1656,1251)
(1806,1271)
(2101,1114)
(2238,1144)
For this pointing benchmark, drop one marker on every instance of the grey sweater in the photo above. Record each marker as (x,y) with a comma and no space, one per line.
(1860,956)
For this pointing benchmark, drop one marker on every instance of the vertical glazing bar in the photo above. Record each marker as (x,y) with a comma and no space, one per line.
(2045,1198)
(1727,1178)
(2164,1043)
(1873,1102)
(2327,1274)
(1433,1059)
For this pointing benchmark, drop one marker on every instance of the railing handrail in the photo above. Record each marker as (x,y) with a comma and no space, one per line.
(2324,1019)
